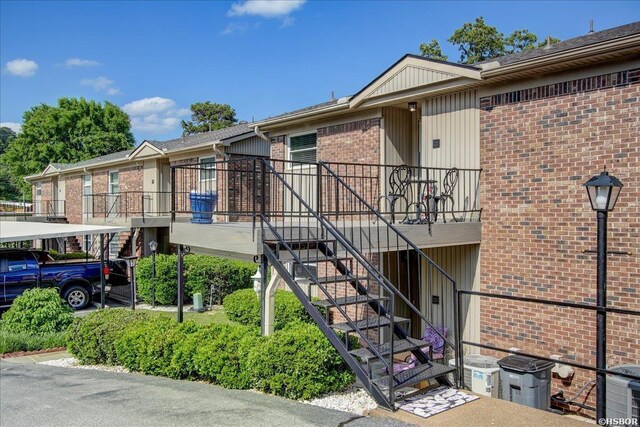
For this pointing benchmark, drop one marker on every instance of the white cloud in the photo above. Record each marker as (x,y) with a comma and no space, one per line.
(22,67)
(101,84)
(265,8)
(16,127)
(155,115)
(77,62)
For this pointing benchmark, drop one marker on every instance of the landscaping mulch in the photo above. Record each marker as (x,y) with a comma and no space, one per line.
(31,353)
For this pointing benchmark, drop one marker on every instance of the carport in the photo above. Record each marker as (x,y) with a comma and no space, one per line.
(15,231)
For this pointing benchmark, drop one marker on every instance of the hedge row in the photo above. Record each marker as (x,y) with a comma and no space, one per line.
(297,361)
(203,274)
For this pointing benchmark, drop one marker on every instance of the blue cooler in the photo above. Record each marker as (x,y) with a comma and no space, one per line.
(202,206)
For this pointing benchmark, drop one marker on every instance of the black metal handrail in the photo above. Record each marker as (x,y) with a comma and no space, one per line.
(410,246)
(555,303)
(128,204)
(53,208)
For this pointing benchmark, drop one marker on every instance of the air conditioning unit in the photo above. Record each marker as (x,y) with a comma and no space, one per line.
(481,374)
(623,394)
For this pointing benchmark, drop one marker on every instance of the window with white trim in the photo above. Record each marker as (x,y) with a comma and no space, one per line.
(207,168)
(38,189)
(303,148)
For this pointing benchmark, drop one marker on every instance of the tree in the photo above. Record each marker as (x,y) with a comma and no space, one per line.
(548,40)
(478,41)
(519,41)
(208,116)
(432,50)
(72,131)
(8,191)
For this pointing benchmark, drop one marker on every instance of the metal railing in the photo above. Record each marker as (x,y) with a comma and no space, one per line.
(49,208)
(127,204)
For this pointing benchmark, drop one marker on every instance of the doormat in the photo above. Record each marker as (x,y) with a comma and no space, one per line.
(435,401)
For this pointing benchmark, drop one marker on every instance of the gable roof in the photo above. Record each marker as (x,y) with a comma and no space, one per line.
(187,141)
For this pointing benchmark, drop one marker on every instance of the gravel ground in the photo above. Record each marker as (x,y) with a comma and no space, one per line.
(72,362)
(354,400)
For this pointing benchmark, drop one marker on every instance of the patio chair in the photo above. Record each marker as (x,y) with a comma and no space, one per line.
(435,340)
(448,186)
(399,186)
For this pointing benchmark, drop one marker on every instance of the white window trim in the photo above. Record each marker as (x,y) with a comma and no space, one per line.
(288,149)
(214,169)
(38,189)
(110,182)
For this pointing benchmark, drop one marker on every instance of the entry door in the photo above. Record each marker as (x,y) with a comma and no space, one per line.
(53,204)
(37,202)
(113,198)
(164,197)
(87,198)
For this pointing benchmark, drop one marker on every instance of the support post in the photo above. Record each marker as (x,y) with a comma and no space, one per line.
(180,282)
(264,264)
(103,282)
(601,318)
(153,279)
(268,321)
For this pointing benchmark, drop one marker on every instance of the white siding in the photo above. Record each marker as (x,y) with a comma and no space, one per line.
(254,146)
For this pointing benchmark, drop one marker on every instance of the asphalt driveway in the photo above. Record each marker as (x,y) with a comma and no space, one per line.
(39,395)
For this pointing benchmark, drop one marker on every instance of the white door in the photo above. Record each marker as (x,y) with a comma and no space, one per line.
(87,198)
(37,202)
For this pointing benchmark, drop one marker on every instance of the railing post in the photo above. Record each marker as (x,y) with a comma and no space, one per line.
(173,193)
(457,305)
(263,188)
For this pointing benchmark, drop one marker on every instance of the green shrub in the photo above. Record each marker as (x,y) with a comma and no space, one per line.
(38,311)
(148,346)
(201,272)
(244,307)
(223,360)
(182,362)
(11,342)
(92,338)
(70,255)
(166,281)
(298,362)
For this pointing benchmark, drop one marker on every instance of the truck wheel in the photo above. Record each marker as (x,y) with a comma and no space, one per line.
(77,297)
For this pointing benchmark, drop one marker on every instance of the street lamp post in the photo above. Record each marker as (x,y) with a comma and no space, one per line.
(153,245)
(131,263)
(603,191)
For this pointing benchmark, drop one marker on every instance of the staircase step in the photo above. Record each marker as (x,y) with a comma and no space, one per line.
(321,258)
(304,244)
(408,344)
(350,300)
(339,279)
(369,323)
(414,375)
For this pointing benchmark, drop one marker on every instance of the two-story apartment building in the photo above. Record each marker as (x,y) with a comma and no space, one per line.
(491,200)
(133,187)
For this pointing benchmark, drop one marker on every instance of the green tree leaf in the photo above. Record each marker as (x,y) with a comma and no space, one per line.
(208,116)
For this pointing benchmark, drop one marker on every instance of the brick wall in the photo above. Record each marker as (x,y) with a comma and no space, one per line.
(73,197)
(536,154)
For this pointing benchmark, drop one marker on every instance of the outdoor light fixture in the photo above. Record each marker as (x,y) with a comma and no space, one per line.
(413,106)
(131,263)
(603,191)
(153,245)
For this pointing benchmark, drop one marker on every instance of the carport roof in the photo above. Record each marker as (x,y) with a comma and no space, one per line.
(12,231)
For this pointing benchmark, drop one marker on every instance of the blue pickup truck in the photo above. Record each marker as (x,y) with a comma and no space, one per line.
(77,281)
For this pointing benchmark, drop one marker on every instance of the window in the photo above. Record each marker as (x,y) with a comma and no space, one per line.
(38,189)
(114,183)
(86,185)
(207,168)
(303,148)
(15,262)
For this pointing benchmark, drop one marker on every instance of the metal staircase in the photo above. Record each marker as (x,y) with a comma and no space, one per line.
(339,246)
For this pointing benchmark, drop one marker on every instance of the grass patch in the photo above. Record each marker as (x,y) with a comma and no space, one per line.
(206,318)
(11,342)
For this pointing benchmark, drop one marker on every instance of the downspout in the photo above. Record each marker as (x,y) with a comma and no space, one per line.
(258,132)
(216,149)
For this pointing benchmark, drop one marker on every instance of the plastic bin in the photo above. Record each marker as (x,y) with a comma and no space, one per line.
(202,207)
(526,380)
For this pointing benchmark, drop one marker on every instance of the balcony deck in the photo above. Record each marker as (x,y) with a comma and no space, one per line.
(239,240)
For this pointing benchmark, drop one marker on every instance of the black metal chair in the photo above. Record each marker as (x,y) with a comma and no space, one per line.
(399,187)
(446,196)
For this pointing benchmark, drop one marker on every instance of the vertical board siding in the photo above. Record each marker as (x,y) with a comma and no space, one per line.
(462,263)
(398,142)
(410,77)
(254,146)
(454,120)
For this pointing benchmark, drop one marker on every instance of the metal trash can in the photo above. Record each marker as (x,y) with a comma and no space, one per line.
(526,380)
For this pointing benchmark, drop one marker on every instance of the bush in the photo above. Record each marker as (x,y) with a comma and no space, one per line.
(201,272)
(11,342)
(244,307)
(182,364)
(70,255)
(148,346)
(298,362)
(38,311)
(92,338)
(223,360)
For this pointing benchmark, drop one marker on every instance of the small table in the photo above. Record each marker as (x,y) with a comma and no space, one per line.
(430,183)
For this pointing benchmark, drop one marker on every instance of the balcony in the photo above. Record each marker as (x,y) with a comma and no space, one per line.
(434,206)
(48,210)
(132,208)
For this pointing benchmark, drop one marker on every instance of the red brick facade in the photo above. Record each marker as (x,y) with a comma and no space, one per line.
(73,189)
(537,221)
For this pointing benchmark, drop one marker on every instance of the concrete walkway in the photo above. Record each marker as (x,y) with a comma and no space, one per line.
(39,395)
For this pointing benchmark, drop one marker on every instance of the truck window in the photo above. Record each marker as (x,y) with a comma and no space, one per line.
(16,262)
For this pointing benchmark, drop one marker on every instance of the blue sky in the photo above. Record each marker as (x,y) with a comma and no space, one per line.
(156,58)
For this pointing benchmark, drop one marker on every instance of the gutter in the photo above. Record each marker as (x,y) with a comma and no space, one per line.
(343,104)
